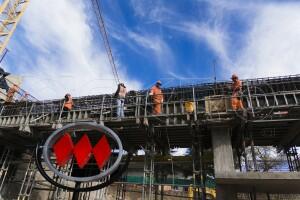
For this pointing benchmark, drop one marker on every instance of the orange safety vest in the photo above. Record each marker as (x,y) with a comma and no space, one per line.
(236,87)
(157,95)
(11,93)
(69,103)
(236,101)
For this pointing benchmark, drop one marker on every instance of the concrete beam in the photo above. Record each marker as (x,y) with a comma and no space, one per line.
(272,182)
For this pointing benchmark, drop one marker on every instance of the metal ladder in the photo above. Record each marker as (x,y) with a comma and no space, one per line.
(59,193)
(121,189)
(148,178)
(5,162)
(28,180)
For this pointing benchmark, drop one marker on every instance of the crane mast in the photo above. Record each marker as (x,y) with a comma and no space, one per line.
(11,12)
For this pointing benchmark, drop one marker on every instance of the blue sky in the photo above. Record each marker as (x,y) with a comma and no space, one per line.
(57,47)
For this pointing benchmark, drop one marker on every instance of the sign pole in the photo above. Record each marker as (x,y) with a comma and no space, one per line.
(76,192)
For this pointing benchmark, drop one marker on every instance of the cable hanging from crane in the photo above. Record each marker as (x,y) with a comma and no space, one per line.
(97,9)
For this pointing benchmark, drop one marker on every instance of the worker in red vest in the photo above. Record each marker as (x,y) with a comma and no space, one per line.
(157,98)
(236,101)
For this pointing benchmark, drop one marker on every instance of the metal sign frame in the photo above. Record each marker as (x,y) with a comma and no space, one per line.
(114,172)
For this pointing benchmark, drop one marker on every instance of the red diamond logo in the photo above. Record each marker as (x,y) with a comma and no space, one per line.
(82,151)
(102,152)
(63,149)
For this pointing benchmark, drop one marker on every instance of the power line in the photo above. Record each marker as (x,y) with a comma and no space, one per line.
(97,9)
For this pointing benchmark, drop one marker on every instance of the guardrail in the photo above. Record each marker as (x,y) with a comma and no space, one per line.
(194,101)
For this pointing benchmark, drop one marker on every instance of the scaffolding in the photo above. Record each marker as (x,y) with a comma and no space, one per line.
(272,106)
(148,178)
(293,159)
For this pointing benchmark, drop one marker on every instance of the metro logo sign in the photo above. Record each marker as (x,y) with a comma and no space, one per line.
(64,149)
(77,146)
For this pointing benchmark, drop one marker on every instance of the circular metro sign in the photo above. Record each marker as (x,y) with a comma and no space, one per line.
(67,146)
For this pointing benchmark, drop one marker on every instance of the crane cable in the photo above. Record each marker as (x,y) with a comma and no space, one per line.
(97,10)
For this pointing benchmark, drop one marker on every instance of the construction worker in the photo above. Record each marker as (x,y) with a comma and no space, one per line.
(120,95)
(157,98)
(3,83)
(68,104)
(236,101)
(11,92)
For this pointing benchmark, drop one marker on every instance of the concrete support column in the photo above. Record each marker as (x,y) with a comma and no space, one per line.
(223,160)
(223,155)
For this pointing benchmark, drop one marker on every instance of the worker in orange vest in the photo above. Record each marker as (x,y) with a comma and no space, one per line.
(11,92)
(236,101)
(157,98)
(68,104)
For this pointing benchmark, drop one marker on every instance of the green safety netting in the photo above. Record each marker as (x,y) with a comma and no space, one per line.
(210,183)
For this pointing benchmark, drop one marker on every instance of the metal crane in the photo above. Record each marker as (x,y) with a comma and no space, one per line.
(11,12)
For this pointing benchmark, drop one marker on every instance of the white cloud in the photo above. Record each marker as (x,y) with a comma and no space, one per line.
(273,43)
(63,56)
(64,53)
(157,46)
(213,36)
(151,11)
(153,43)
(151,46)
(270,46)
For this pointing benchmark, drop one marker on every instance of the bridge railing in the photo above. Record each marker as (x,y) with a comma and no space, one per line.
(192,100)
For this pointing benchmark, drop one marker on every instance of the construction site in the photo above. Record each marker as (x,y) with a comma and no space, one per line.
(249,153)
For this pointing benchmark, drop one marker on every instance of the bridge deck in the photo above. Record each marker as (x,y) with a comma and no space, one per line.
(272,106)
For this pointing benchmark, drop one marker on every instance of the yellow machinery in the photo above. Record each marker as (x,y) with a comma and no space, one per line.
(210,192)
(189,106)
(11,12)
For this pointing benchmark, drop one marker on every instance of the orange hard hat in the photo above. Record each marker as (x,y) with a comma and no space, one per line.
(234,76)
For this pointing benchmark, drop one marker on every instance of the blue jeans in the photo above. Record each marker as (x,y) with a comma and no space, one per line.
(120,108)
